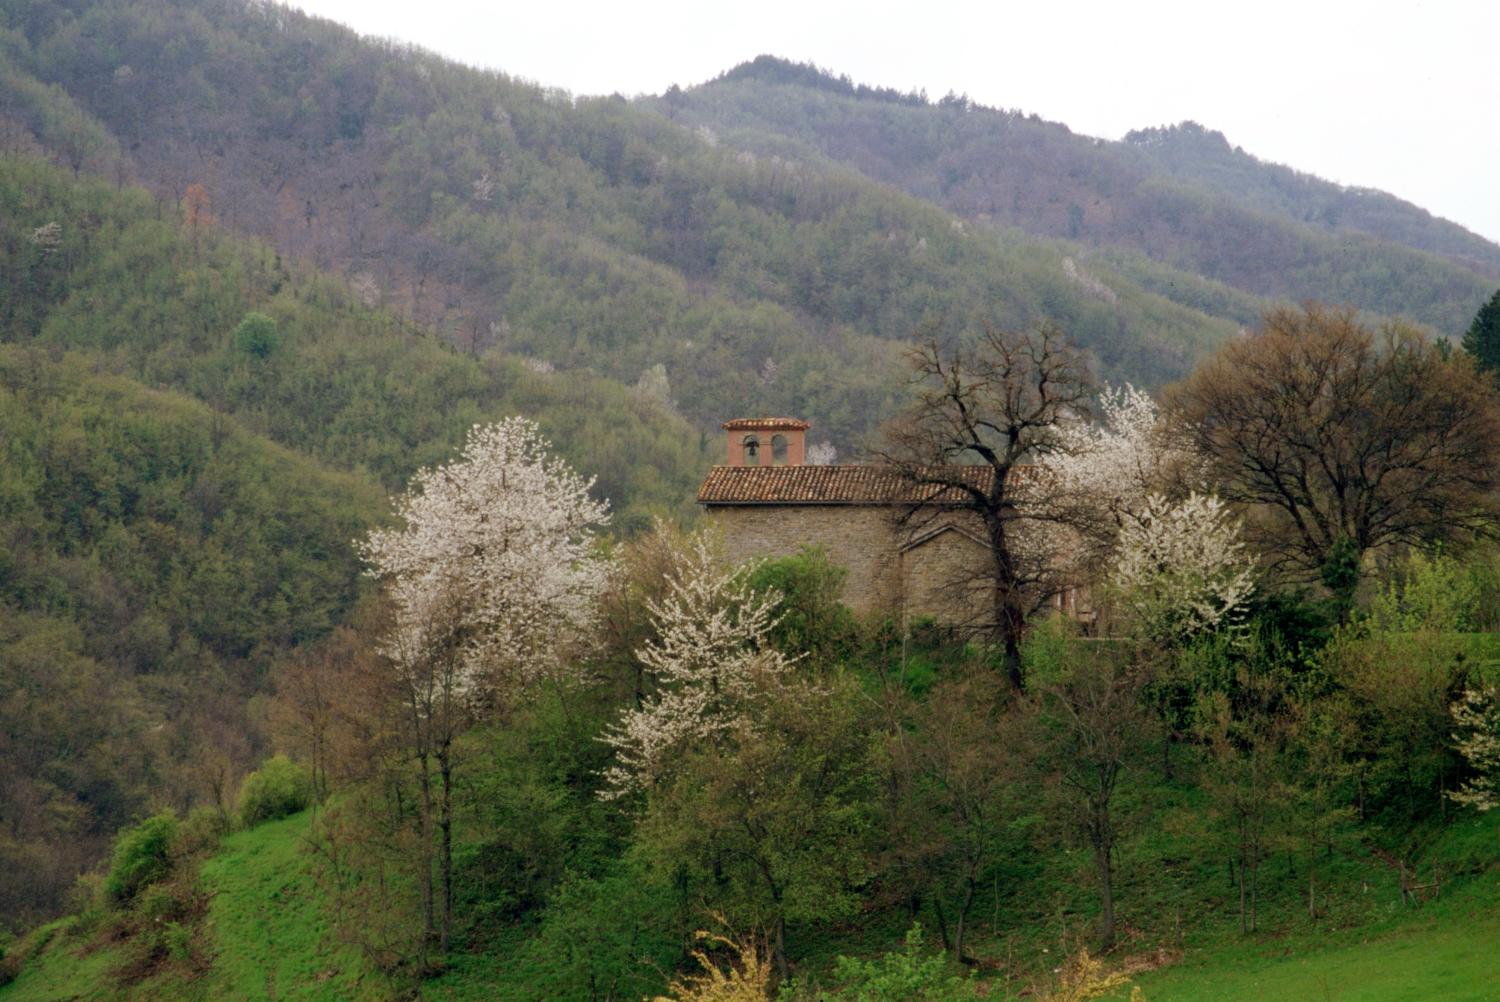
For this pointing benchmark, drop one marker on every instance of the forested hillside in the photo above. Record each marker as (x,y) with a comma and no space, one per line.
(159,295)
(155,560)
(194,432)
(1180,196)
(588,233)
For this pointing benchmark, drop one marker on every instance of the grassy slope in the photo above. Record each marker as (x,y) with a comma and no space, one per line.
(1367,946)
(1445,951)
(267,933)
(270,928)
(269,937)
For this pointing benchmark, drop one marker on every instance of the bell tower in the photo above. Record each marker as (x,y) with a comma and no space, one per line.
(771,441)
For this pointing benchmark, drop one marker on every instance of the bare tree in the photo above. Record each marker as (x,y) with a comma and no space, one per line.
(1342,439)
(984,411)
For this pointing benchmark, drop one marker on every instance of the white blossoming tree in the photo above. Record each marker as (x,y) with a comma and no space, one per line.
(1477,738)
(711,655)
(492,570)
(1174,560)
(1180,568)
(1104,472)
(505,534)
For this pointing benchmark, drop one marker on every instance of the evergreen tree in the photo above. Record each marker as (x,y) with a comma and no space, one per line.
(1482,340)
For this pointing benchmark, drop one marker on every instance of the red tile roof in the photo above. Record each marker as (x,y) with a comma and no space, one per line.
(766,424)
(742,485)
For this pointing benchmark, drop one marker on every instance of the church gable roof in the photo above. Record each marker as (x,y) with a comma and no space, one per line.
(930,534)
(817,485)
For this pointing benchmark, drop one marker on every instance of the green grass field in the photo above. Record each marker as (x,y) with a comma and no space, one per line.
(271,935)
(1449,951)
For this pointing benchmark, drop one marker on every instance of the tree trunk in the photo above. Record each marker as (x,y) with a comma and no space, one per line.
(963,914)
(1013,670)
(778,950)
(942,920)
(1010,622)
(1240,878)
(1254,889)
(424,873)
(445,829)
(1106,897)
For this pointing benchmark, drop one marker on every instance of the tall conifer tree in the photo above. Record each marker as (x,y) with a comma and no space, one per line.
(1482,340)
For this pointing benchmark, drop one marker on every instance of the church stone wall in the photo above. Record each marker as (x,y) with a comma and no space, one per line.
(945,577)
(934,578)
(862,539)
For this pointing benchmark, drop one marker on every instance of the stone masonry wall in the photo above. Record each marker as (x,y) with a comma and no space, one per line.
(859,538)
(865,540)
(946,577)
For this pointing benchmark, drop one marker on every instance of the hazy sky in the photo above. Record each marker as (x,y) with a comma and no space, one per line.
(1403,96)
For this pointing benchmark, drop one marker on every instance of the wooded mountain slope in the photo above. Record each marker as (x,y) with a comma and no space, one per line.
(1178,195)
(590,233)
(160,555)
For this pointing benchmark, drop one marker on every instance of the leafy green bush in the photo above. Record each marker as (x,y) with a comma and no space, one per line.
(278,788)
(10,964)
(200,831)
(812,617)
(907,975)
(143,855)
(257,336)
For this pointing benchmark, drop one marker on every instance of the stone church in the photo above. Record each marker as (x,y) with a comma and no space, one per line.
(766,501)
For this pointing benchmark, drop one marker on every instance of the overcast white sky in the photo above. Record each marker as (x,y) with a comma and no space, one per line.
(1403,96)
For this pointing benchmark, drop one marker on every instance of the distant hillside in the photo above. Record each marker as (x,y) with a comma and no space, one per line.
(1181,196)
(155,561)
(591,234)
(1204,157)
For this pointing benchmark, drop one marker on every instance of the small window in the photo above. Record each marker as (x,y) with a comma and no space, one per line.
(778,450)
(752,450)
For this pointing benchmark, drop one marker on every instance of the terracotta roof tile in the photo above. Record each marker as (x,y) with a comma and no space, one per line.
(766,424)
(729,485)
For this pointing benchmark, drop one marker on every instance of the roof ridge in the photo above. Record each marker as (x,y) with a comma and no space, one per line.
(854,483)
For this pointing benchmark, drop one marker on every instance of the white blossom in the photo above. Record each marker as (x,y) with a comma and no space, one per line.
(1180,568)
(1115,465)
(484,187)
(48,236)
(1477,739)
(495,559)
(1088,282)
(655,389)
(712,655)
(822,454)
(366,289)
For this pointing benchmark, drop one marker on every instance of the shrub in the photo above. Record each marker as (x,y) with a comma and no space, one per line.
(200,832)
(257,336)
(159,903)
(89,901)
(143,855)
(812,619)
(278,788)
(905,976)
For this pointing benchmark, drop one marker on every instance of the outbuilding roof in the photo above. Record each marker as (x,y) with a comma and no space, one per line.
(814,485)
(766,424)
